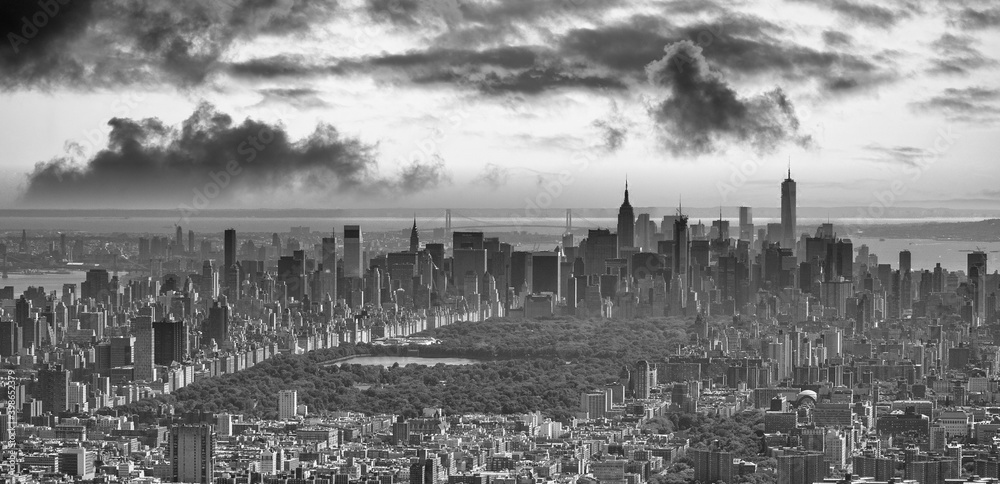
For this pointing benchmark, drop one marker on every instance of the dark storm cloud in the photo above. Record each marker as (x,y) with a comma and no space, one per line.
(502,70)
(86,43)
(901,155)
(972,104)
(148,161)
(957,55)
(609,57)
(974,18)
(278,66)
(702,114)
(871,14)
(737,44)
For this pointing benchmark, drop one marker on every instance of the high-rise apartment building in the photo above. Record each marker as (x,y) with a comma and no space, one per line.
(191,452)
(288,403)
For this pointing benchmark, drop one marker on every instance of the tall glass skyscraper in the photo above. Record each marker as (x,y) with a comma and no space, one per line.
(789,232)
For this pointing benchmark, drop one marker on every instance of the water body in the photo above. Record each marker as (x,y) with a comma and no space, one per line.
(51,282)
(388,361)
(925,253)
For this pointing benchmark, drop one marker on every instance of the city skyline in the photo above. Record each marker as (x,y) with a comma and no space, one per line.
(460,104)
(500,242)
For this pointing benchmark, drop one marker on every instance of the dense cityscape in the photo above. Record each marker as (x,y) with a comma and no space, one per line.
(660,352)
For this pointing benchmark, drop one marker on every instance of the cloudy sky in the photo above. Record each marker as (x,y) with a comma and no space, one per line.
(479,103)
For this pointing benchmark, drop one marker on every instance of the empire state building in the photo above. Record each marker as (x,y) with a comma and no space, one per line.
(626,224)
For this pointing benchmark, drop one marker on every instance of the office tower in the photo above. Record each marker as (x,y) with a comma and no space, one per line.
(720,228)
(292,273)
(191,452)
(229,247)
(682,251)
(976,271)
(601,245)
(643,234)
(468,262)
(97,285)
(746,224)
(10,338)
(546,274)
(209,280)
(414,237)
(171,338)
(142,330)
(53,388)
(904,262)
(594,404)
(231,273)
(62,247)
(190,241)
(288,403)
(122,351)
(218,322)
(838,260)
(353,263)
(328,259)
(788,204)
(77,462)
(645,379)
(626,225)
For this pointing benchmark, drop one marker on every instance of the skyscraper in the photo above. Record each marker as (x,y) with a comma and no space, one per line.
(328,278)
(353,263)
(171,342)
(142,330)
(976,271)
(601,245)
(788,204)
(217,326)
(231,273)
(904,262)
(645,379)
(52,388)
(746,224)
(191,451)
(626,224)
(682,250)
(288,402)
(414,237)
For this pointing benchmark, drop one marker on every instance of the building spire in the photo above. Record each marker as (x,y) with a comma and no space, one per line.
(626,189)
